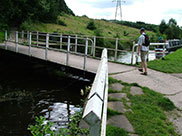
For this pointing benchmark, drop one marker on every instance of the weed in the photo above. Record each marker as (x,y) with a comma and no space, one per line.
(115,131)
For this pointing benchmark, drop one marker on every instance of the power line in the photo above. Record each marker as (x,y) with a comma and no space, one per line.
(118,7)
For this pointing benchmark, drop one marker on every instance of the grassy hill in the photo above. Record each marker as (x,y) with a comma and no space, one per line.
(68,24)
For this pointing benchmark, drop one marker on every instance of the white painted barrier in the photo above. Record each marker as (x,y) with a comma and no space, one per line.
(95,112)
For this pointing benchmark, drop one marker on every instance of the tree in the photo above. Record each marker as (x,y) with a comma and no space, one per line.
(163,26)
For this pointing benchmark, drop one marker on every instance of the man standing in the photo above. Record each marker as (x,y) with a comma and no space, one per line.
(143,51)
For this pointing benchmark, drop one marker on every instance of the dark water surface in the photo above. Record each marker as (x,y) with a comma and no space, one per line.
(30,87)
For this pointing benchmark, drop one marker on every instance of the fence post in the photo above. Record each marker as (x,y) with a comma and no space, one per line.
(6,39)
(30,42)
(27,35)
(22,36)
(137,56)
(116,50)
(76,42)
(47,46)
(61,40)
(68,50)
(94,46)
(16,41)
(163,54)
(37,38)
(133,50)
(85,57)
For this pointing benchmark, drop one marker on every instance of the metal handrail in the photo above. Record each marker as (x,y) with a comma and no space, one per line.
(135,46)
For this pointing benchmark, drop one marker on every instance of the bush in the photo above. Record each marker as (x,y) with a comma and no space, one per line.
(91,25)
(61,22)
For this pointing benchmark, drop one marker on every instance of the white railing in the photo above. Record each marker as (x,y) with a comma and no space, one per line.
(135,48)
(50,42)
(95,111)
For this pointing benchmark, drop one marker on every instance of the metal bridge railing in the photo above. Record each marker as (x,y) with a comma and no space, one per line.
(68,44)
(95,111)
(135,48)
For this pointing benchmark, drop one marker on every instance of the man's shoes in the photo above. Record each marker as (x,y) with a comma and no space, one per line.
(144,73)
(140,69)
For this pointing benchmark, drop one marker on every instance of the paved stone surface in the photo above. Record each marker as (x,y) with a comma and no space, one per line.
(118,96)
(177,75)
(121,121)
(177,99)
(175,117)
(158,81)
(136,90)
(116,86)
(117,106)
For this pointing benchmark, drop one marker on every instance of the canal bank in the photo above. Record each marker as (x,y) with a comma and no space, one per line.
(30,87)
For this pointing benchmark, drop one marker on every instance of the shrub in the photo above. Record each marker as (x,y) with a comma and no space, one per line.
(91,25)
(61,22)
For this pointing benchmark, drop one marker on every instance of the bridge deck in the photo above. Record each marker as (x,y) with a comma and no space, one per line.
(75,61)
(167,84)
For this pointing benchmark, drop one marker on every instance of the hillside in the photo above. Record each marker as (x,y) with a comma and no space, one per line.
(78,25)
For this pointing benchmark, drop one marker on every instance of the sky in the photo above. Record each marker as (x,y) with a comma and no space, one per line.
(148,11)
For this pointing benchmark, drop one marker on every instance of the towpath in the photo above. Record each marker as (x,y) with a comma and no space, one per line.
(168,84)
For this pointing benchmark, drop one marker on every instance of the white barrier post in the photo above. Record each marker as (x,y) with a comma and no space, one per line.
(133,50)
(116,50)
(30,42)
(94,46)
(163,53)
(6,39)
(76,43)
(47,46)
(68,50)
(37,38)
(61,40)
(16,41)
(85,57)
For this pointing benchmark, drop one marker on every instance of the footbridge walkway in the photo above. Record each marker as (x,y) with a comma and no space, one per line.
(80,58)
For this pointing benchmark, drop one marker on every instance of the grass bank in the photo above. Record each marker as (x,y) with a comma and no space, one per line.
(77,25)
(172,63)
(146,112)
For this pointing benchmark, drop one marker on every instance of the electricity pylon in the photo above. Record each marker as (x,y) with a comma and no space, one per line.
(118,7)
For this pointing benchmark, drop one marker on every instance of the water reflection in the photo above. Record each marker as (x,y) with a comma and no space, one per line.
(125,57)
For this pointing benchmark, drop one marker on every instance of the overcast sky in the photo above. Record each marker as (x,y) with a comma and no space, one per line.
(149,11)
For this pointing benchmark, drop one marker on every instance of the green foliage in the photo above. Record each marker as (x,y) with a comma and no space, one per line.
(147,114)
(172,30)
(112,80)
(36,10)
(91,25)
(172,63)
(115,131)
(166,104)
(61,22)
(2,37)
(41,128)
(138,25)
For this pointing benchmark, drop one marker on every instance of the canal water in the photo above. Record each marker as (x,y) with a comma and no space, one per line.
(30,88)
(125,57)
